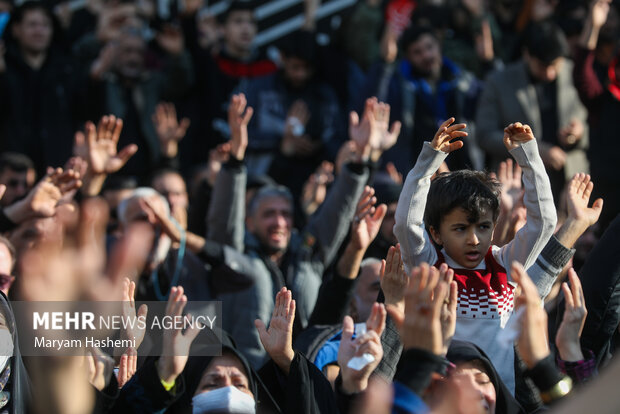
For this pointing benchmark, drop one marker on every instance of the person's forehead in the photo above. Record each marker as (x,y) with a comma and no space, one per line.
(170,181)
(274,202)
(225,364)
(460,215)
(35,14)
(237,15)
(423,41)
(370,272)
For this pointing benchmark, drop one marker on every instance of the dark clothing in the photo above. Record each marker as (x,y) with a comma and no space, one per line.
(39,109)
(272,97)
(604,110)
(600,280)
(218,75)
(420,108)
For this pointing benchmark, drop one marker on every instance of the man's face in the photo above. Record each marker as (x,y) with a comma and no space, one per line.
(34,32)
(543,72)
(130,57)
(425,56)
(466,243)
(367,290)
(224,371)
(271,223)
(172,186)
(240,30)
(17,185)
(297,72)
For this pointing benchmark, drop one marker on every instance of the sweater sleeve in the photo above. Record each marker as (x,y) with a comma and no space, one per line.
(548,265)
(541,215)
(416,246)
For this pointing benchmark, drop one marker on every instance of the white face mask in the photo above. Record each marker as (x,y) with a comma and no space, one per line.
(224,400)
(6,347)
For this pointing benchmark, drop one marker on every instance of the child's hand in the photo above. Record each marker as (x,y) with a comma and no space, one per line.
(446,133)
(517,134)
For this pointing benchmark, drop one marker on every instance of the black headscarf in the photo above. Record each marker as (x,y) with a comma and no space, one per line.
(461,351)
(196,366)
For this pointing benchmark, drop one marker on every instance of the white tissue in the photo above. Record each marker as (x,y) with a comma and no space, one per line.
(357,363)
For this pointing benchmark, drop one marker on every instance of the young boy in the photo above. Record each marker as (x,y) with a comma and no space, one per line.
(460,214)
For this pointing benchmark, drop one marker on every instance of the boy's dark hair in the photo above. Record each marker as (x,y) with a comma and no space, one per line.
(413,33)
(302,45)
(473,191)
(545,41)
(15,161)
(237,5)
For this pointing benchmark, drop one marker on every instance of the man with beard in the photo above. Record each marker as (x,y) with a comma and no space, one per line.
(422,89)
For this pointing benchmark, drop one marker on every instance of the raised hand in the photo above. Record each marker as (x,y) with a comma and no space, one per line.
(385,139)
(360,130)
(217,156)
(532,342)
(512,188)
(295,140)
(599,12)
(393,278)
(239,115)
(133,331)
(176,344)
(315,187)
(353,380)
(420,325)
(45,197)
(102,143)
(575,313)
(578,196)
(517,134)
(367,220)
(127,366)
(99,365)
(448,307)
(446,133)
(169,131)
(278,339)
(157,215)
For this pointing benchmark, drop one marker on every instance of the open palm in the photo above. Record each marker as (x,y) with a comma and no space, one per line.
(102,146)
(278,339)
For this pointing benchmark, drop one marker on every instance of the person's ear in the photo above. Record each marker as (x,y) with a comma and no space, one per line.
(435,235)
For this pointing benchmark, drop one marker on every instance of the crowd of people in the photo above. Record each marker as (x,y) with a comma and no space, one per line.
(404,216)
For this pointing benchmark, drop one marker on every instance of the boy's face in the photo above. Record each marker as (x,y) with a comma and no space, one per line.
(466,243)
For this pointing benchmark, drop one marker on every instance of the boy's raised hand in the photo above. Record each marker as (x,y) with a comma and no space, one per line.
(446,133)
(517,134)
